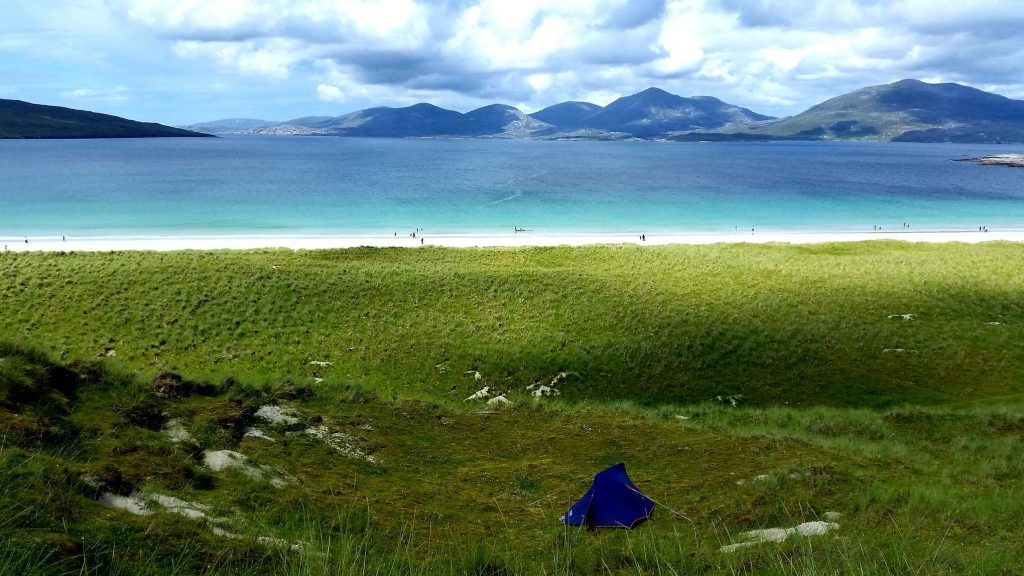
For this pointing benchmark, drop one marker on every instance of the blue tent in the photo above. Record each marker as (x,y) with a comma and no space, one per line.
(612,502)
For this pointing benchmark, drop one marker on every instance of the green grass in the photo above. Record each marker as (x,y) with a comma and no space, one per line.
(920,451)
(798,324)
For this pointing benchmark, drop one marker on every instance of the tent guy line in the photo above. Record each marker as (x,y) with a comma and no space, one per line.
(675,512)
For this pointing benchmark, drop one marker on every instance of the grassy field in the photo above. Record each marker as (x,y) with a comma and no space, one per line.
(745,387)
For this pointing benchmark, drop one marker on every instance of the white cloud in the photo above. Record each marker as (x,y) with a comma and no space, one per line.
(680,42)
(272,58)
(115,94)
(774,56)
(329,93)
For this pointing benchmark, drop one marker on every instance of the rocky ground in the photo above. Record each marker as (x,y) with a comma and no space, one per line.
(1010,160)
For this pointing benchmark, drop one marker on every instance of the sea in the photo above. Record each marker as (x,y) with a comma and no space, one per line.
(276,185)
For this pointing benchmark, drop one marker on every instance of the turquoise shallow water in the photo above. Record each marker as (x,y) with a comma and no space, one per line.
(310,185)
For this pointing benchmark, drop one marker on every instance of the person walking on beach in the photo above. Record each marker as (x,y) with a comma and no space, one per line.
(421,241)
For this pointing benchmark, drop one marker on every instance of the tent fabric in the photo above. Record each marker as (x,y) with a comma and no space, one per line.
(611,502)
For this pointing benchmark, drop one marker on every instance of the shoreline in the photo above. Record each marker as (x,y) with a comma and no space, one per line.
(483,240)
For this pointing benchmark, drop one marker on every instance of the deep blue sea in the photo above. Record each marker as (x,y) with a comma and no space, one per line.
(323,185)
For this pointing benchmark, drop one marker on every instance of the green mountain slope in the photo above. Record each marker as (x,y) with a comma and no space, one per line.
(908,110)
(20,119)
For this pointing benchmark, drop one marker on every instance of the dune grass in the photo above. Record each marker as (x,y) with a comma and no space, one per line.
(798,324)
(746,387)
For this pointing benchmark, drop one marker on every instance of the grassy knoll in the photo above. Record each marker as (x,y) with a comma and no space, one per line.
(386,470)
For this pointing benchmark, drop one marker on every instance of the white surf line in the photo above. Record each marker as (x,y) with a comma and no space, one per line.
(486,240)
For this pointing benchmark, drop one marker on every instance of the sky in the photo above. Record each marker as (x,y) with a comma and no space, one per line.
(185,61)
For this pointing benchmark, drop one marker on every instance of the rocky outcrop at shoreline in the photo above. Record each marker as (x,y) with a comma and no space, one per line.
(1011,160)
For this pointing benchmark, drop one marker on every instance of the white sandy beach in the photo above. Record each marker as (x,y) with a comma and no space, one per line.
(311,242)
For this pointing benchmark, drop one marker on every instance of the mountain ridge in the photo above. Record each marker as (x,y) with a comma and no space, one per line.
(907,111)
(904,111)
(649,113)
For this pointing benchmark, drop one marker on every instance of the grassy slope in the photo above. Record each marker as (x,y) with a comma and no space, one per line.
(797,324)
(909,111)
(934,489)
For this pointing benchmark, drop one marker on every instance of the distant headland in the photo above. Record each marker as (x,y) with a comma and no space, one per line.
(24,120)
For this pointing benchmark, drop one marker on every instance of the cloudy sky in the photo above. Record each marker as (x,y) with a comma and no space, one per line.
(182,61)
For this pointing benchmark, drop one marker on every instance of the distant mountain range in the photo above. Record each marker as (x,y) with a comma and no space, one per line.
(26,120)
(651,113)
(908,110)
(904,111)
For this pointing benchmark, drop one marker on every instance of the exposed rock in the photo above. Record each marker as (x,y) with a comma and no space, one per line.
(538,390)
(129,504)
(1008,160)
(192,510)
(480,394)
(276,415)
(220,460)
(176,431)
(344,444)
(257,433)
(499,401)
(142,504)
(778,535)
